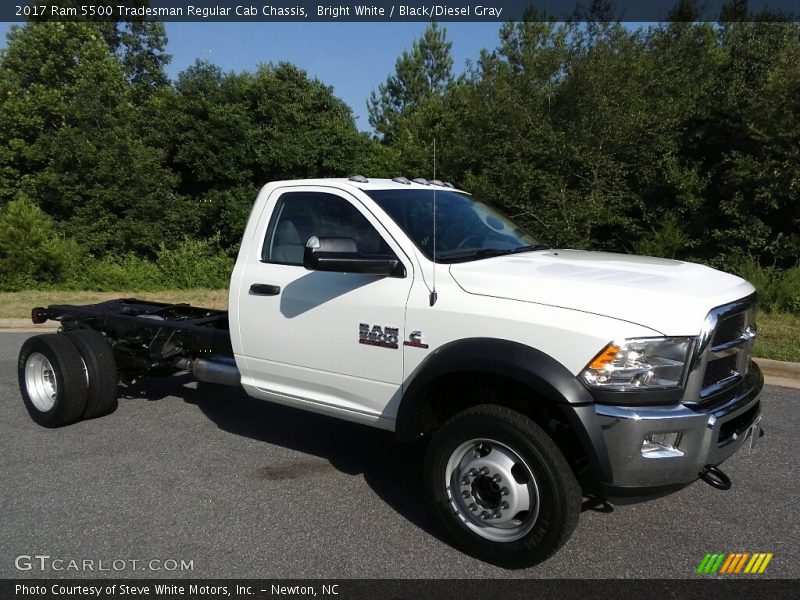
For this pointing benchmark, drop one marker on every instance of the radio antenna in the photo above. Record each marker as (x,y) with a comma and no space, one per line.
(434,296)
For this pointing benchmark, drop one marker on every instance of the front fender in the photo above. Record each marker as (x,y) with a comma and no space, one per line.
(534,369)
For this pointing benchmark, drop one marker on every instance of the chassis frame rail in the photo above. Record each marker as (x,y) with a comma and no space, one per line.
(147,336)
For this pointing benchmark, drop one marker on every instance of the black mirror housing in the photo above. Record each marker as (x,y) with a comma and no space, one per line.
(341,255)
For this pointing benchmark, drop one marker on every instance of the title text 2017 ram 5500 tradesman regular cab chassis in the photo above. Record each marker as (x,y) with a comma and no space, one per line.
(535,373)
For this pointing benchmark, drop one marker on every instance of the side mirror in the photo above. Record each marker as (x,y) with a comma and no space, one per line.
(341,255)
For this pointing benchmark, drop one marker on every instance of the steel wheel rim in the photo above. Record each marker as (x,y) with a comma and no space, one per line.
(40,382)
(492,490)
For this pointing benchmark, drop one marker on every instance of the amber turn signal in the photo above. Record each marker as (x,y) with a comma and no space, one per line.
(606,356)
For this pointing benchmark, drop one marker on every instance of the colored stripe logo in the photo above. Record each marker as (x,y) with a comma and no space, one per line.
(734,563)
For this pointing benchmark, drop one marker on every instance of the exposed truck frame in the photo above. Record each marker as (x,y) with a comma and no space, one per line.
(155,338)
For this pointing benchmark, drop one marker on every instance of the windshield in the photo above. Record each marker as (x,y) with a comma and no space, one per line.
(466,229)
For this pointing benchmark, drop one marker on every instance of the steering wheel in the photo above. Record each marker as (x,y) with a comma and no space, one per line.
(472,236)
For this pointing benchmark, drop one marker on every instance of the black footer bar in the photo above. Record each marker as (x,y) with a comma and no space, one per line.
(398,589)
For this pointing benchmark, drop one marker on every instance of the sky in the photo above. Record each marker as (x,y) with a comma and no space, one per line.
(353,58)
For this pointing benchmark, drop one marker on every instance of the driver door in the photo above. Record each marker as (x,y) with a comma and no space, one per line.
(302,331)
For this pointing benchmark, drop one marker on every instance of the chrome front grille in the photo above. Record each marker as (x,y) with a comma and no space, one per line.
(722,356)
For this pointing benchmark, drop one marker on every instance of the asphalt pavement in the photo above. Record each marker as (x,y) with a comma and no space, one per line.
(235,487)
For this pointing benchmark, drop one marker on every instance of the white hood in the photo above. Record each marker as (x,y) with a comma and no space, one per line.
(670,296)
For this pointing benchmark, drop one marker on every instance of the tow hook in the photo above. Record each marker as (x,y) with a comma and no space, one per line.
(714,477)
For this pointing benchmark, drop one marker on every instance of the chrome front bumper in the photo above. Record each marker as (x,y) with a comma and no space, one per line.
(707,437)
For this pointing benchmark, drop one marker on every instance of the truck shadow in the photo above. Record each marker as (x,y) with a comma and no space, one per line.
(392,470)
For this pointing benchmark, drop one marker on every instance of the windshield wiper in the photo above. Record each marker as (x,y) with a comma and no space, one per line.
(479,253)
(490,252)
(529,248)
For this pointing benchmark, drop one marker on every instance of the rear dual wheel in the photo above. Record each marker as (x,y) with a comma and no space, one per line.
(101,370)
(67,377)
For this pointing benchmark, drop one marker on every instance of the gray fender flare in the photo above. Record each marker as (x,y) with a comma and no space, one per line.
(518,362)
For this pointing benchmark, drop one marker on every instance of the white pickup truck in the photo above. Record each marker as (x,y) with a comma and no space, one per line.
(535,375)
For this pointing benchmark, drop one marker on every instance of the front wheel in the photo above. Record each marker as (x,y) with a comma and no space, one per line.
(501,487)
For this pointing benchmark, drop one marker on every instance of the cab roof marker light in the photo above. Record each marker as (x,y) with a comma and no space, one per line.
(403,180)
(358,179)
(421,181)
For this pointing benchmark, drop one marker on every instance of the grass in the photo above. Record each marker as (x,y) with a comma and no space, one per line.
(17,305)
(778,333)
(778,336)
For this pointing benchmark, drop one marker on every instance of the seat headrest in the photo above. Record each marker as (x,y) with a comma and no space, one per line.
(287,234)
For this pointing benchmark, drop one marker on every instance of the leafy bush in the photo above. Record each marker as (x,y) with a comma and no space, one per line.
(669,241)
(234,210)
(193,264)
(32,251)
(778,289)
(129,273)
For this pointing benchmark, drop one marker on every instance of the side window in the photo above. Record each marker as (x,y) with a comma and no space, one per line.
(300,215)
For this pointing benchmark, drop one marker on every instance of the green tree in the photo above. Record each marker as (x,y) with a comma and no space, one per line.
(68,127)
(140,47)
(516,152)
(680,139)
(424,71)
(229,134)
(740,140)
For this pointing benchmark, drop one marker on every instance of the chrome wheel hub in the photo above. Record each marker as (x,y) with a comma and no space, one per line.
(492,490)
(40,382)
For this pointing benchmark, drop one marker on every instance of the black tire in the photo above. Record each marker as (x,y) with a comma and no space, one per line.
(65,401)
(98,356)
(509,536)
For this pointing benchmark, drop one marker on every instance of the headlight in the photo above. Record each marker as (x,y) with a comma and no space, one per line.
(640,364)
